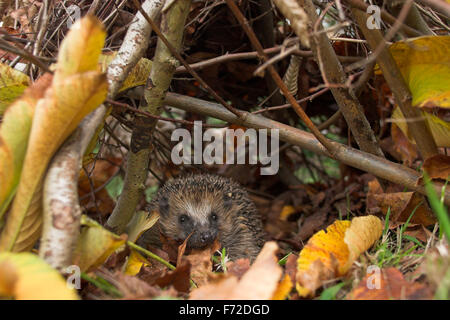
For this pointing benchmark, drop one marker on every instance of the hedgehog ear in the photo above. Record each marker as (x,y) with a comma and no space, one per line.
(163,205)
(227,201)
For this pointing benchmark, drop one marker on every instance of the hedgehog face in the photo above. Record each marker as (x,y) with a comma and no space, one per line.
(197,216)
(202,233)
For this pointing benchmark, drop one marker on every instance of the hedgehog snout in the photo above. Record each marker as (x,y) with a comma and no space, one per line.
(207,237)
(202,237)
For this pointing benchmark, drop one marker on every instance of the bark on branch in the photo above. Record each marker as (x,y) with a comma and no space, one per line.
(163,68)
(415,120)
(378,166)
(61,187)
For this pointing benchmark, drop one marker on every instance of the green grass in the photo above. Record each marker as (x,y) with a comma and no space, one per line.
(283,260)
(102,284)
(395,247)
(438,207)
(221,260)
(331,292)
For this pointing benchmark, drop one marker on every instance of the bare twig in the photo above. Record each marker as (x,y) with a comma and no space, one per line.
(383,44)
(329,145)
(332,72)
(288,105)
(254,54)
(441,6)
(163,68)
(378,166)
(403,97)
(177,55)
(358,4)
(4,45)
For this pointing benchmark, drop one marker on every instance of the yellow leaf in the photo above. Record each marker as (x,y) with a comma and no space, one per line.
(330,254)
(440,130)
(25,276)
(81,48)
(70,98)
(141,222)
(425,65)
(138,75)
(94,246)
(286,212)
(283,289)
(12,85)
(134,263)
(361,235)
(14,133)
(260,282)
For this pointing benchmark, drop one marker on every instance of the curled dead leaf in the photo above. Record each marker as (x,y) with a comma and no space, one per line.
(260,282)
(330,254)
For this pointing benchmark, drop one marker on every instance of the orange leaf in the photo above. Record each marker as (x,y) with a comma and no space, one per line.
(330,254)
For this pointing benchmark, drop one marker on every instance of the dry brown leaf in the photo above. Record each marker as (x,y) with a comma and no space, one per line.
(201,263)
(402,146)
(178,278)
(437,167)
(390,285)
(239,267)
(99,174)
(134,288)
(402,205)
(259,282)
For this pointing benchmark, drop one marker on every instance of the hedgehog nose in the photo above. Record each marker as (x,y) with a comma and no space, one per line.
(206,237)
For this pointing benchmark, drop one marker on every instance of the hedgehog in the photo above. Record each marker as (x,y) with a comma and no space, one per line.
(205,208)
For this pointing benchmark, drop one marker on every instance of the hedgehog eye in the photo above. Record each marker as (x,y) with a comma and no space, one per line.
(214,216)
(183,218)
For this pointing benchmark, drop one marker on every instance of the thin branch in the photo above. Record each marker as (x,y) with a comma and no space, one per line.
(402,94)
(438,5)
(57,243)
(4,45)
(332,72)
(257,45)
(177,55)
(383,44)
(288,105)
(163,68)
(358,4)
(367,162)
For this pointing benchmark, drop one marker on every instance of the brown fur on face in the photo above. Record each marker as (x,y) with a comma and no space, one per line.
(208,207)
